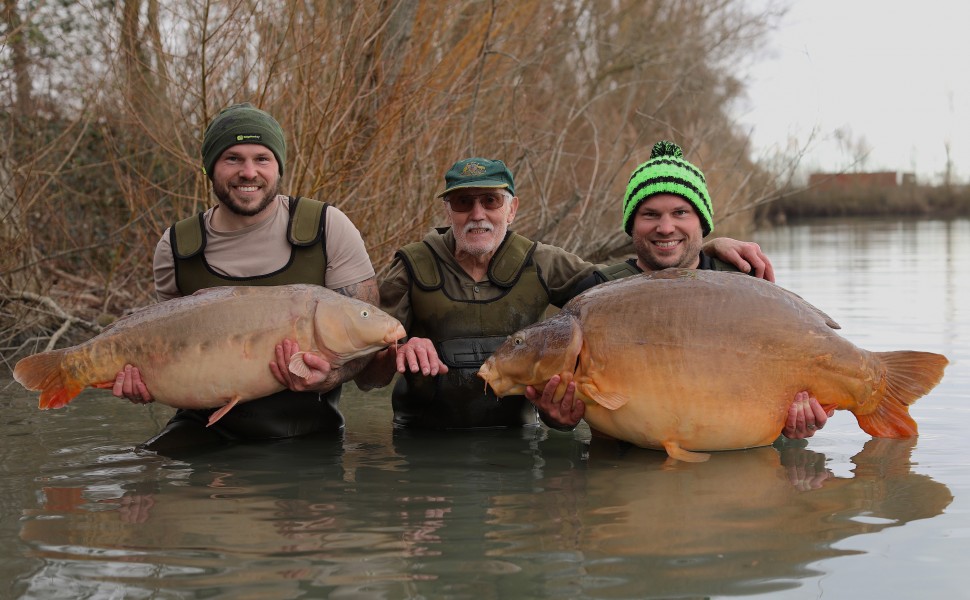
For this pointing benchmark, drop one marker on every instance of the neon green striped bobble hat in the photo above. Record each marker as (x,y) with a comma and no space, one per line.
(666,172)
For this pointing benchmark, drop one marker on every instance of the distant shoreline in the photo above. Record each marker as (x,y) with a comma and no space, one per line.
(903,201)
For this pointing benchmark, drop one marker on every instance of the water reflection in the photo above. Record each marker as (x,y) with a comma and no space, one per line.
(498,515)
(743,523)
(466,516)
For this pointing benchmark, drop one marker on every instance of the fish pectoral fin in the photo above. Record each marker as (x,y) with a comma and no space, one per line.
(676,452)
(608,400)
(298,367)
(222,411)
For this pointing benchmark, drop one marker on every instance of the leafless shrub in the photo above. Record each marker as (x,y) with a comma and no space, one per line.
(378,99)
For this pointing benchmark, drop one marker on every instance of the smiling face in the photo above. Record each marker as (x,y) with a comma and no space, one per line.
(667,233)
(246,178)
(480,218)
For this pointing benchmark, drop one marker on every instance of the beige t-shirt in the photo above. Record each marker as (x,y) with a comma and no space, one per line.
(263,248)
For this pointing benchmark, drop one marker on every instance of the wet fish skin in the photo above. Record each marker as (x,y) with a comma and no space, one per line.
(213,347)
(691,361)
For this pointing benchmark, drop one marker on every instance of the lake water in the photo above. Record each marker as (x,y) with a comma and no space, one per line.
(525,515)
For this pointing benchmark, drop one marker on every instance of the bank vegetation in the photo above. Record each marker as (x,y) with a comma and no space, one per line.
(823,202)
(104,104)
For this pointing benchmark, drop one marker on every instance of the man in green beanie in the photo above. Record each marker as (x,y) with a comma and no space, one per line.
(667,211)
(256,236)
(461,291)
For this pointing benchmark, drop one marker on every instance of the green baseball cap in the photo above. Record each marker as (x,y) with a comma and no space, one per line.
(478,173)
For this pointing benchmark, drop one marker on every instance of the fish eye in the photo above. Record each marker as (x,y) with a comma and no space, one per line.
(364,313)
(517,340)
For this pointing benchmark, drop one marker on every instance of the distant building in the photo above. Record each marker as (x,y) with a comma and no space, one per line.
(868,181)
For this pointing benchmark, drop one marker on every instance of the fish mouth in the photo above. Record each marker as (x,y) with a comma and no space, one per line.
(500,385)
(393,336)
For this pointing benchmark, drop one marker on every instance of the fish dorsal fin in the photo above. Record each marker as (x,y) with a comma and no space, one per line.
(828,320)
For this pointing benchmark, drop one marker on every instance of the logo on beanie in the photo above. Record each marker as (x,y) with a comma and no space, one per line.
(472,169)
(249,137)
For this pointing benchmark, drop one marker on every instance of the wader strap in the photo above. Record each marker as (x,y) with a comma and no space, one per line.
(306,221)
(509,260)
(618,271)
(188,236)
(719,265)
(420,262)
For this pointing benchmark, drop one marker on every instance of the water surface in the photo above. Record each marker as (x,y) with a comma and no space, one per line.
(525,514)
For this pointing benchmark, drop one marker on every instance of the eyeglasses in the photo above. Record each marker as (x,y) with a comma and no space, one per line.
(466,203)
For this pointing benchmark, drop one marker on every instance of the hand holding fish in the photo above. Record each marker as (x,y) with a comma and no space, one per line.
(805,417)
(317,376)
(559,408)
(128,385)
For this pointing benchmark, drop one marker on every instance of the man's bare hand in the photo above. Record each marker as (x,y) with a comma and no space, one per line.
(558,403)
(418,355)
(747,257)
(805,417)
(129,385)
(318,377)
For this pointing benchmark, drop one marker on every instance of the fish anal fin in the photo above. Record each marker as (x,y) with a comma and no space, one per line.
(222,411)
(909,376)
(677,453)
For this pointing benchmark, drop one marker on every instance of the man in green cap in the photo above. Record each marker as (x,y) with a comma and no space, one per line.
(256,236)
(667,211)
(462,290)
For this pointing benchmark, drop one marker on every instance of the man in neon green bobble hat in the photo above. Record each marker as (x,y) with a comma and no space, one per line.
(667,211)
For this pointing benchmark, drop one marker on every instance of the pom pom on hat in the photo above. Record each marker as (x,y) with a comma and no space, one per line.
(666,172)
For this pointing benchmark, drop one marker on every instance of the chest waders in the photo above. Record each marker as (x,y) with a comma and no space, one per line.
(286,413)
(465,333)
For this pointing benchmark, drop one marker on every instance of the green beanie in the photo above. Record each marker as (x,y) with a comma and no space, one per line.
(667,173)
(241,124)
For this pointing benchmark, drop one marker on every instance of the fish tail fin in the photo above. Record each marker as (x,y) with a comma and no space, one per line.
(910,375)
(44,372)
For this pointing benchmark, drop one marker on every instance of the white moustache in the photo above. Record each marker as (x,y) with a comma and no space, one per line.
(478,225)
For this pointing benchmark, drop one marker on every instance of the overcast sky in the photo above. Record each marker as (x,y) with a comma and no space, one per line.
(894,75)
